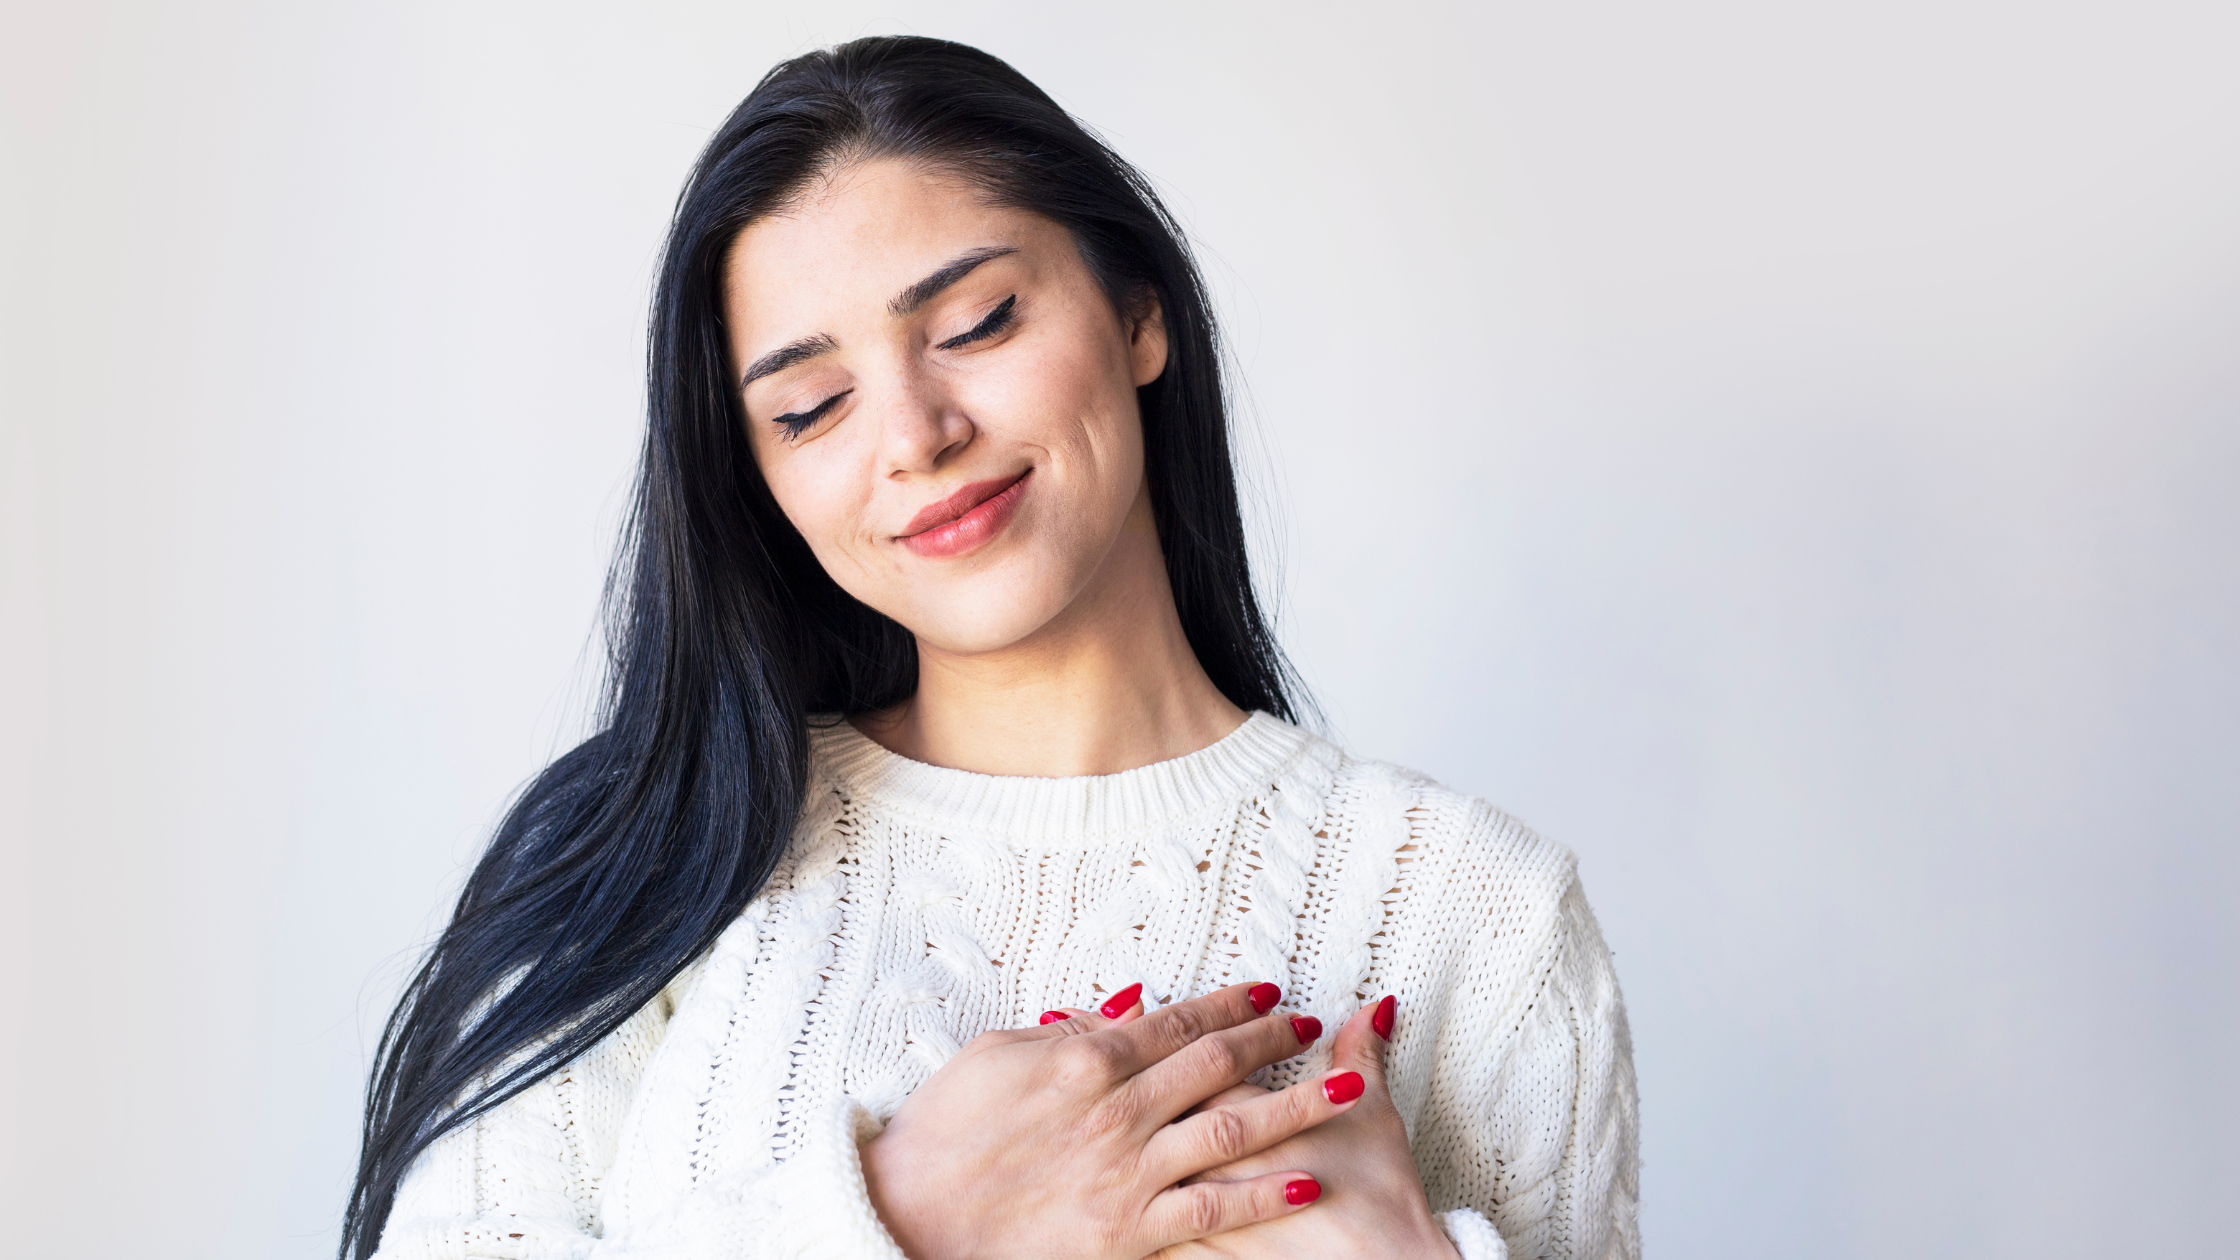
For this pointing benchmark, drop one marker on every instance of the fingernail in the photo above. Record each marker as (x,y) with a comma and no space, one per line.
(1307,1026)
(1052,1017)
(1342,1088)
(1117,1005)
(1304,1190)
(1264,997)
(1382,1020)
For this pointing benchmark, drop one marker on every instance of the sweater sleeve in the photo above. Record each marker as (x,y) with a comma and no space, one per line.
(1541,1143)
(524,1181)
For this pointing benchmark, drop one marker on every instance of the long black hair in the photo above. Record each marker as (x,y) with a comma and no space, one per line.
(626,857)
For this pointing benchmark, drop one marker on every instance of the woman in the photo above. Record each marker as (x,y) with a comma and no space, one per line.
(940,698)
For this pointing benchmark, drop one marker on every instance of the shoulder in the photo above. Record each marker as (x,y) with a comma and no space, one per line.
(1450,830)
(1488,865)
(1466,868)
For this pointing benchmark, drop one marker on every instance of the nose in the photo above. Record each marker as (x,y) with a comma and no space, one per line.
(922,428)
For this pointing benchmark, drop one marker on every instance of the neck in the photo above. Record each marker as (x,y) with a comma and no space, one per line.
(1109,685)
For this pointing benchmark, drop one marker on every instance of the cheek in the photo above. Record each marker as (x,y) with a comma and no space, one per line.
(823,494)
(1075,402)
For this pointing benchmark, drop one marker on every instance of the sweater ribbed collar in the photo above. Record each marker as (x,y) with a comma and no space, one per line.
(1087,809)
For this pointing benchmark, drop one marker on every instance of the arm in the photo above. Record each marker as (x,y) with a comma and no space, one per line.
(1038,1142)
(1540,1146)
(525,1181)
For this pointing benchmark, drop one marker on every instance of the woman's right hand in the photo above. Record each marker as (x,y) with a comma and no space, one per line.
(1061,1141)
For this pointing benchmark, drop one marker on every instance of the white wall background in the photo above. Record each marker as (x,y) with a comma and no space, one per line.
(1787,453)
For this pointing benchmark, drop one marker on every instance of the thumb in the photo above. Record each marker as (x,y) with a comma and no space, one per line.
(1362,1042)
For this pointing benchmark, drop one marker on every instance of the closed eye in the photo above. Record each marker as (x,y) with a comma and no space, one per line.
(997,320)
(797,422)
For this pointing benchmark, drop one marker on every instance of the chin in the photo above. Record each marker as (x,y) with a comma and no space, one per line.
(979,631)
(982,616)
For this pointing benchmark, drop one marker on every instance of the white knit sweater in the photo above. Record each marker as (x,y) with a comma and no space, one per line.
(918,907)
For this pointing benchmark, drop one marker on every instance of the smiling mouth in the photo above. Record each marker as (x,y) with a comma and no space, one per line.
(966,519)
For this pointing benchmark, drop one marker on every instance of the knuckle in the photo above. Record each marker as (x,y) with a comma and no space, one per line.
(1188,1022)
(1202,1212)
(1228,1135)
(1113,1116)
(1083,1061)
(1302,1105)
(1222,1056)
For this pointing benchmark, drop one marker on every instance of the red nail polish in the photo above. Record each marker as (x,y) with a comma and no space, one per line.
(1343,1088)
(1052,1017)
(1382,1020)
(1117,1005)
(1264,997)
(1307,1026)
(1304,1190)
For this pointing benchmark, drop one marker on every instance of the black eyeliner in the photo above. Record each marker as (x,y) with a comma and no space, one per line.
(794,422)
(996,321)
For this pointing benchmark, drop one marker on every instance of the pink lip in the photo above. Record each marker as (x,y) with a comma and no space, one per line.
(966,519)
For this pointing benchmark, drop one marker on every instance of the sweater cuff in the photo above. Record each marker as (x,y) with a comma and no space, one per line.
(1473,1235)
(817,1201)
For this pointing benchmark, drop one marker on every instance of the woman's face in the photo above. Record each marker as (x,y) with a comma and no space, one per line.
(941,398)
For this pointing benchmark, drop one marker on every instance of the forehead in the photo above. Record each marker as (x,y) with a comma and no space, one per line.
(856,237)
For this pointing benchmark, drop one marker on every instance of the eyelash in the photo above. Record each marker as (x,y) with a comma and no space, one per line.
(795,423)
(997,320)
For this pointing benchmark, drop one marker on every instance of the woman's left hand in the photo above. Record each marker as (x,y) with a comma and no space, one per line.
(1372,1203)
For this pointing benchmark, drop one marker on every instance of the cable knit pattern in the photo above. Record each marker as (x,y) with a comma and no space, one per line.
(918,907)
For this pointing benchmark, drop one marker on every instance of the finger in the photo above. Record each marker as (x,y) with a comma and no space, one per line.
(1094,1019)
(1119,1004)
(1230,1097)
(1158,1035)
(1361,1045)
(1072,1021)
(1225,1135)
(1218,1060)
(1128,1016)
(1188,1213)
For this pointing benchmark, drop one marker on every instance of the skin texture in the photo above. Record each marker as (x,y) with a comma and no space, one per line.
(1054,649)
(1062,1140)
(1375,1204)
(1372,1200)
(1049,646)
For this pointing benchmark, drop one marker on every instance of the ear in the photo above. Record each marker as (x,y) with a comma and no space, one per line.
(1147,338)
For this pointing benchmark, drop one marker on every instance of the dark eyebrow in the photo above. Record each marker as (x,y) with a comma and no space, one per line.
(786,356)
(926,290)
(908,300)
